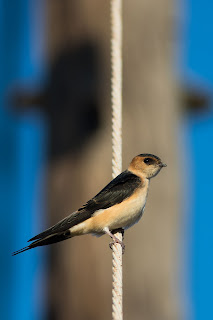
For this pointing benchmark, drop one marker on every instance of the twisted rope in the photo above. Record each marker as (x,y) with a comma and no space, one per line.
(116,87)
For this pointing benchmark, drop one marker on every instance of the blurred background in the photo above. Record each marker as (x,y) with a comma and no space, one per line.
(55,138)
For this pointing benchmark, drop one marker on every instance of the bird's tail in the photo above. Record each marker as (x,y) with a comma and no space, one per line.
(45,241)
(20,251)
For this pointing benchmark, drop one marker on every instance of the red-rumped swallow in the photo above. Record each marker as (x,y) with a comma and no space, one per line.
(117,206)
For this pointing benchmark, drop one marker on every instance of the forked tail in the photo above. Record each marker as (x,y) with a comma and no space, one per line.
(45,241)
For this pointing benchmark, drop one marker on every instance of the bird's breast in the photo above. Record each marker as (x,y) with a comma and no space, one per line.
(122,215)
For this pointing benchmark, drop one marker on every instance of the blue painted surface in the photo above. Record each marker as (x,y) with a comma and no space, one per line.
(198,63)
(198,69)
(22,143)
(199,235)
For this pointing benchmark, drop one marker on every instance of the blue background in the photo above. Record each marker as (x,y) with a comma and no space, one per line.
(197,72)
(22,158)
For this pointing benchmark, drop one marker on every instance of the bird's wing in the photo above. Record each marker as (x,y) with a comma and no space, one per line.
(119,189)
(115,192)
(63,225)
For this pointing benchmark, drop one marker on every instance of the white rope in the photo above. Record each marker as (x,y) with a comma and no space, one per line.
(116,87)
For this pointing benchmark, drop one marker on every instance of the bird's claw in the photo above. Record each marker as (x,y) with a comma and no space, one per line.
(115,240)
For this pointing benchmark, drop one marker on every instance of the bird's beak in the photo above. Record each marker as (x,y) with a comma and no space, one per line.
(163,165)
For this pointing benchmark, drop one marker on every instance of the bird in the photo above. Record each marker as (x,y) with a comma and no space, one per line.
(119,205)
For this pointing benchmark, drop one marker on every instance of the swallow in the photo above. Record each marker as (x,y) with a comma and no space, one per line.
(117,206)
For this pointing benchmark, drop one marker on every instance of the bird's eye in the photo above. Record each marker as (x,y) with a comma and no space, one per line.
(148,160)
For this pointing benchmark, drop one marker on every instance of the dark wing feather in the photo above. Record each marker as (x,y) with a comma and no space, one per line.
(119,189)
(66,223)
(115,192)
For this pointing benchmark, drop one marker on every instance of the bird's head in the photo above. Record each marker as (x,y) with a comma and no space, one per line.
(146,164)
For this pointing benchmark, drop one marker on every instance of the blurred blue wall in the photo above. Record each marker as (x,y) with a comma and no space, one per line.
(198,72)
(22,142)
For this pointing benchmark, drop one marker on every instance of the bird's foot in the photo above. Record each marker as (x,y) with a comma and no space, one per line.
(116,240)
